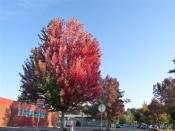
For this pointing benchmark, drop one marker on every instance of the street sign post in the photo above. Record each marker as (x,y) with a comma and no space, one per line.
(101,108)
(40,103)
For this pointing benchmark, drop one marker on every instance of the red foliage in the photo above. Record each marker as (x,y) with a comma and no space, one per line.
(155,107)
(165,92)
(71,57)
(112,97)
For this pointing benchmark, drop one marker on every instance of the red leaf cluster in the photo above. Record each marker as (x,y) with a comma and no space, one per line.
(112,97)
(165,92)
(71,57)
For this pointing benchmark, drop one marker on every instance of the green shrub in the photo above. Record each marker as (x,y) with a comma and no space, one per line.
(78,123)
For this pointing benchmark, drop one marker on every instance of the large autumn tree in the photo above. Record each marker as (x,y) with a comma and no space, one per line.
(64,67)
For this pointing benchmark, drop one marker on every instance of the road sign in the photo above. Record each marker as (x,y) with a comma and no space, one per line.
(101,107)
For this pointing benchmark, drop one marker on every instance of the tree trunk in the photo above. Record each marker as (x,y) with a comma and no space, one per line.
(62,120)
(108,124)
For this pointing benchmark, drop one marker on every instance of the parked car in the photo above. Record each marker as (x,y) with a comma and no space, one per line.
(139,126)
(163,126)
(143,126)
(118,126)
(69,123)
(153,128)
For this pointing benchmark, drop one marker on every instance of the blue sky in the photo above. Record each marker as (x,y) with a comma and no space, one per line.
(137,39)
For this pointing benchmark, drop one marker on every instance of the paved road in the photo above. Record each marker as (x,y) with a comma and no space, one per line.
(76,129)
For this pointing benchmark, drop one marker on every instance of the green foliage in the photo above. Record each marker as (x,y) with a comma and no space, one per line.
(122,120)
(138,114)
(150,114)
(129,117)
(145,107)
(164,118)
(172,114)
(78,123)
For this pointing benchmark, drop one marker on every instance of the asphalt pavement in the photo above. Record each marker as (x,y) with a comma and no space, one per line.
(57,129)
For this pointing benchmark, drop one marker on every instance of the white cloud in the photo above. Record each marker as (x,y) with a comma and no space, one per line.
(25,3)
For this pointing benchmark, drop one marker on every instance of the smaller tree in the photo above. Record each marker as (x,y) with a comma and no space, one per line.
(173,70)
(146,113)
(165,93)
(164,118)
(112,99)
(122,120)
(129,117)
(139,116)
(135,116)
(172,108)
(155,110)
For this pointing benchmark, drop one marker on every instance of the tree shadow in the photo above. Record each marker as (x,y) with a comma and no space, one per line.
(10,114)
